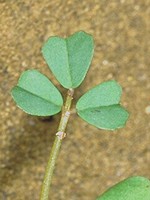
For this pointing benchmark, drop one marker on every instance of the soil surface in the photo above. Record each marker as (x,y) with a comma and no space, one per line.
(91,160)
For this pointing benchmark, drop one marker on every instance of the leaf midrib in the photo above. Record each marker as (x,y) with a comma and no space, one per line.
(97,107)
(69,69)
(36,95)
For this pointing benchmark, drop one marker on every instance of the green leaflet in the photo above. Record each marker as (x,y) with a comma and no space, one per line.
(105,94)
(133,188)
(70,58)
(107,117)
(100,106)
(36,95)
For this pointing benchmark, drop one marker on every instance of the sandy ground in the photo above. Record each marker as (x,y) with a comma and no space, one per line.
(91,160)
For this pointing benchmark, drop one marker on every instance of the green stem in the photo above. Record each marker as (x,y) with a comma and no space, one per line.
(56,147)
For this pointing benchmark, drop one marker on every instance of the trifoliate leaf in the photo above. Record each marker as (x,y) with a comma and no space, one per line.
(70,58)
(36,95)
(100,106)
(133,188)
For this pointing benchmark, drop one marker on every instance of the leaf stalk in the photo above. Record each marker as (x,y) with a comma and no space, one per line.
(56,146)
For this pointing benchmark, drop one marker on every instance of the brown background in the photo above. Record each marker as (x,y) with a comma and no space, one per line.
(91,160)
